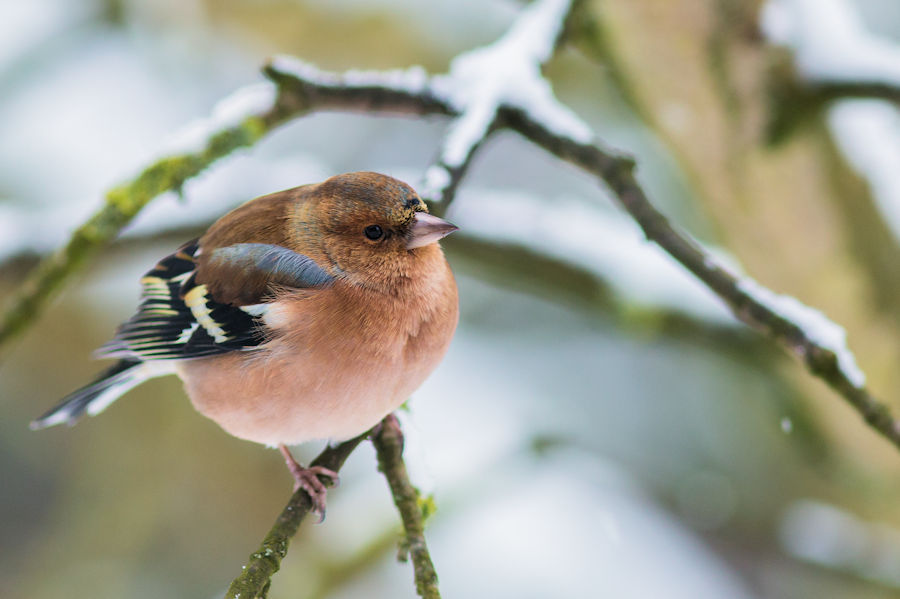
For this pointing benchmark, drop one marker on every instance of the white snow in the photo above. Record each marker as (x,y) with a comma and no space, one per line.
(868,134)
(436,177)
(250,100)
(504,73)
(613,247)
(413,80)
(817,327)
(606,243)
(507,72)
(831,536)
(830,42)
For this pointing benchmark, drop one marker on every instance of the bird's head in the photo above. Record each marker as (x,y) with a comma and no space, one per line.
(371,227)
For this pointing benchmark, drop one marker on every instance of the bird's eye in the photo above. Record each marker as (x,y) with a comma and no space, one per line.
(373,232)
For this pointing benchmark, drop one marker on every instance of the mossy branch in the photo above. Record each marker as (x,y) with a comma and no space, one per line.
(387,438)
(388,442)
(121,205)
(295,98)
(254,580)
(306,89)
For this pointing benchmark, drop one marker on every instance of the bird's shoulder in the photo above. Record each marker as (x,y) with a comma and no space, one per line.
(187,311)
(253,249)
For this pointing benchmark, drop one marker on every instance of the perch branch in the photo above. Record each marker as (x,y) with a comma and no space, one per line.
(254,580)
(388,442)
(510,94)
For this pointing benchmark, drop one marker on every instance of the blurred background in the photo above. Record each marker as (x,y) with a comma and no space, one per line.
(601,426)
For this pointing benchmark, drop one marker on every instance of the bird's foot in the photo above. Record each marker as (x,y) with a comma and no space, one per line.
(309,480)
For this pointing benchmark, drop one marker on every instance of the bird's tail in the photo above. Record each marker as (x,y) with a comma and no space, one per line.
(96,397)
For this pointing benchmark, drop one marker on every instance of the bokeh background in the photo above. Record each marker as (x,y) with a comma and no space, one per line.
(601,426)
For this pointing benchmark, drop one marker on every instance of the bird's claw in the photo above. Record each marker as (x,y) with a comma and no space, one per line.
(309,480)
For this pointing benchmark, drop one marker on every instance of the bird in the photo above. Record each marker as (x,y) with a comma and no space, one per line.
(307,314)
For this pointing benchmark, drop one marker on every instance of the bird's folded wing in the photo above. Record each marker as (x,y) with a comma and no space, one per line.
(180,318)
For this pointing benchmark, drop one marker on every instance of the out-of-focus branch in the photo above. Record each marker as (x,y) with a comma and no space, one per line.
(833,57)
(257,573)
(294,98)
(794,99)
(301,88)
(745,301)
(543,121)
(487,89)
(388,442)
(121,205)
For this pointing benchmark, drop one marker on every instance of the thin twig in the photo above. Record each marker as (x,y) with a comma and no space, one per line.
(388,442)
(616,171)
(302,88)
(295,98)
(254,580)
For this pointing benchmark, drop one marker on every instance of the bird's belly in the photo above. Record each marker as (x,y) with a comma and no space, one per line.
(290,396)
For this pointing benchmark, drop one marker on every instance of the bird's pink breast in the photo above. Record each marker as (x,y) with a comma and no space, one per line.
(339,361)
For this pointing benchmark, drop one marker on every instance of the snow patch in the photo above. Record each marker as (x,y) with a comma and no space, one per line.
(817,327)
(412,80)
(250,100)
(868,134)
(830,41)
(507,72)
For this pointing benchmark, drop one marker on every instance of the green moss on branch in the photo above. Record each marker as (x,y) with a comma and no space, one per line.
(256,575)
(388,442)
(121,205)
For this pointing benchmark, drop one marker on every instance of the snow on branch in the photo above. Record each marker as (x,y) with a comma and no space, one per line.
(500,82)
(487,89)
(840,59)
(804,331)
(830,42)
(506,73)
(817,327)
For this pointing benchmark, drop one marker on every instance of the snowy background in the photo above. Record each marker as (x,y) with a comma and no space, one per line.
(613,436)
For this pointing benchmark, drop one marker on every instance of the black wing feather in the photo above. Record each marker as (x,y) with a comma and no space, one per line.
(166,325)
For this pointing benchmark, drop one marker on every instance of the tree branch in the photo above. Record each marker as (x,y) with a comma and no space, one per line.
(536,115)
(388,442)
(254,580)
(381,93)
(617,172)
(834,56)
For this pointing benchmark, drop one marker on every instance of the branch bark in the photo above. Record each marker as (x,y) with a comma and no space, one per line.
(302,88)
(617,172)
(388,442)
(254,580)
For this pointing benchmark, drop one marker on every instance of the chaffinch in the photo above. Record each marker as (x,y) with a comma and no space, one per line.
(306,314)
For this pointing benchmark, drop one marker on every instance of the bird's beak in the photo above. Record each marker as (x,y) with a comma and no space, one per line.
(427,229)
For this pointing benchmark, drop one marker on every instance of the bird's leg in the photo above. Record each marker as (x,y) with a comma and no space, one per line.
(308,480)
